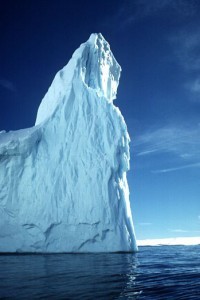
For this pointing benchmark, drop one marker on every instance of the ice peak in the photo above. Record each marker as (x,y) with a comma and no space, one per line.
(93,65)
(96,38)
(99,67)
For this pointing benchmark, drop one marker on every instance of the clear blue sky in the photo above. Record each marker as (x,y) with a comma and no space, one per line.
(157,43)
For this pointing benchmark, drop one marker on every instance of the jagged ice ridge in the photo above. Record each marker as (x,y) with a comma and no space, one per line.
(63,185)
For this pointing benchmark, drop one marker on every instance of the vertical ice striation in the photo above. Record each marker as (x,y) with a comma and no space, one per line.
(63,185)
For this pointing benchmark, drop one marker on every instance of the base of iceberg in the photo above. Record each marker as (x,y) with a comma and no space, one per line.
(63,185)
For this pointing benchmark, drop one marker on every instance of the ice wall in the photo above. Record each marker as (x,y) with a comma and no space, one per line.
(63,185)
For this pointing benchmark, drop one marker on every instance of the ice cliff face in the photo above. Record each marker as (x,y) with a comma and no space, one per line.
(63,185)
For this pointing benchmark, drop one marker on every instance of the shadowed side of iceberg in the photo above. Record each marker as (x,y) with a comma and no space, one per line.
(67,191)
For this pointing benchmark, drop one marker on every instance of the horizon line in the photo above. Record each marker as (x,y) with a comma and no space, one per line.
(170,241)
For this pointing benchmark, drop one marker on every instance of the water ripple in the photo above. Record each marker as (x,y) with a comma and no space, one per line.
(167,272)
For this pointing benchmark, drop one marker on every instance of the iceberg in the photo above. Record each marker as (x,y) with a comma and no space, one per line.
(63,185)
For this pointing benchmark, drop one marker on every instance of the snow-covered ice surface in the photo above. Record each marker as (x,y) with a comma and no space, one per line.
(63,185)
(170,241)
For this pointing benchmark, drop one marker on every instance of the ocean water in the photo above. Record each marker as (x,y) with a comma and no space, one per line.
(165,272)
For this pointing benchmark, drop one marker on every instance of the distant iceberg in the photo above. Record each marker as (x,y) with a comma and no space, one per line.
(63,185)
(186,241)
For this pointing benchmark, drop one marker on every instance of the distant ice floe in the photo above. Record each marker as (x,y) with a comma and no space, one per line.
(170,241)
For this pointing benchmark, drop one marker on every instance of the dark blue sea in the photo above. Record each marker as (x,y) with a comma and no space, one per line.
(165,272)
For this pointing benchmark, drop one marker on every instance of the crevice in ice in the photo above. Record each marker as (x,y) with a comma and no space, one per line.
(104,233)
(89,241)
(86,223)
(49,230)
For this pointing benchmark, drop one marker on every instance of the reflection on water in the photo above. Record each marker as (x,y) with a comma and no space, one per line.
(168,272)
(67,276)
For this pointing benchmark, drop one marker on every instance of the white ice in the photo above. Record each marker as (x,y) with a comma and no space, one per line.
(170,241)
(63,185)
